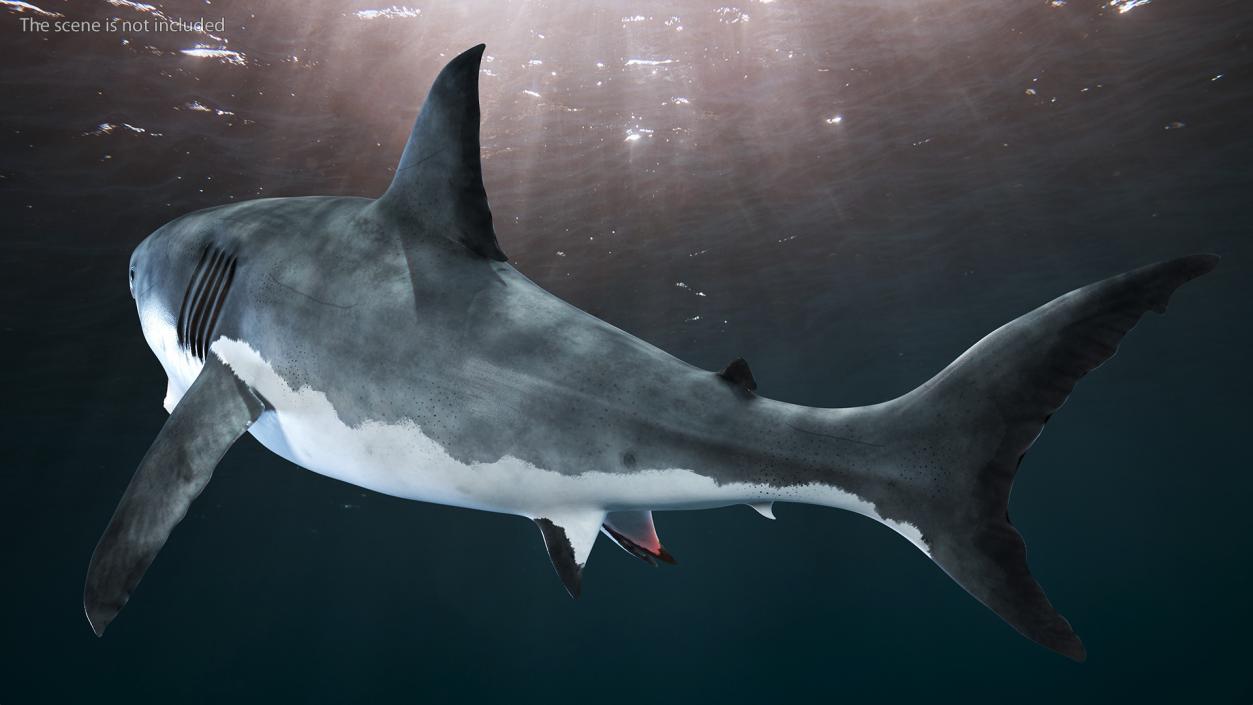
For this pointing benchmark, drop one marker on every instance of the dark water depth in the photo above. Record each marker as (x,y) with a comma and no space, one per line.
(847,193)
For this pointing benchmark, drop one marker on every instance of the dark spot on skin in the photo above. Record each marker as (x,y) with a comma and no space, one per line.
(628,459)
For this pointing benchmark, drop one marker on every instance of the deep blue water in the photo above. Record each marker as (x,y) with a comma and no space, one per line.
(848,194)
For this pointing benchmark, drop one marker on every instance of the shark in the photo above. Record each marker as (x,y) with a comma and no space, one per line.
(388,343)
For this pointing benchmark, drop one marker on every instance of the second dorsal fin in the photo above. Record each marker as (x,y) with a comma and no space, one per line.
(736,372)
(438,186)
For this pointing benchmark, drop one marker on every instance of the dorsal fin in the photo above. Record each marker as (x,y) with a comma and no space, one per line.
(737,372)
(438,186)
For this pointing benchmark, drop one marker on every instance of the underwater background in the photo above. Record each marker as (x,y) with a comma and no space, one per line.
(846,193)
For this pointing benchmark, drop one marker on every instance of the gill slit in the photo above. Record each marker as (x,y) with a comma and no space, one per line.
(211,324)
(185,309)
(201,301)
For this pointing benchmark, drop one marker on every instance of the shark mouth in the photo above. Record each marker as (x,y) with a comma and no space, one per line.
(202,302)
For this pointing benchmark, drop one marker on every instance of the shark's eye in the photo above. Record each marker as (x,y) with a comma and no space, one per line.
(132,282)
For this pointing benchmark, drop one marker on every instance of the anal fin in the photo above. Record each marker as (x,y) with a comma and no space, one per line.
(569,537)
(637,535)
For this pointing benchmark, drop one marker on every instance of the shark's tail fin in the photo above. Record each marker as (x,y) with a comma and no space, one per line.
(975,420)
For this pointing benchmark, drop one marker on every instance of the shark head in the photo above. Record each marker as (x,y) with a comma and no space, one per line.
(437,192)
(160,265)
(179,277)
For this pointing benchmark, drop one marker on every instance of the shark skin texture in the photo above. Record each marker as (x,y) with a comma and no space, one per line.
(389,344)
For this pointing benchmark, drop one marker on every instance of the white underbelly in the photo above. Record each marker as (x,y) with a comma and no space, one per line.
(399,459)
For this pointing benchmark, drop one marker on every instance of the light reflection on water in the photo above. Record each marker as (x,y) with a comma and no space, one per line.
(225,55)
(910,151)
(850,128)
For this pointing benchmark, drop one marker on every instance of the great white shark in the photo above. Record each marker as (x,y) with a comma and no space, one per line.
(387,343)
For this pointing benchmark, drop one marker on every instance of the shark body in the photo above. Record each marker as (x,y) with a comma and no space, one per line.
(387,343)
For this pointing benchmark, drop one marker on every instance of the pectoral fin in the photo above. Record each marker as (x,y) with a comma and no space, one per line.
(212,415)
(636,534)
